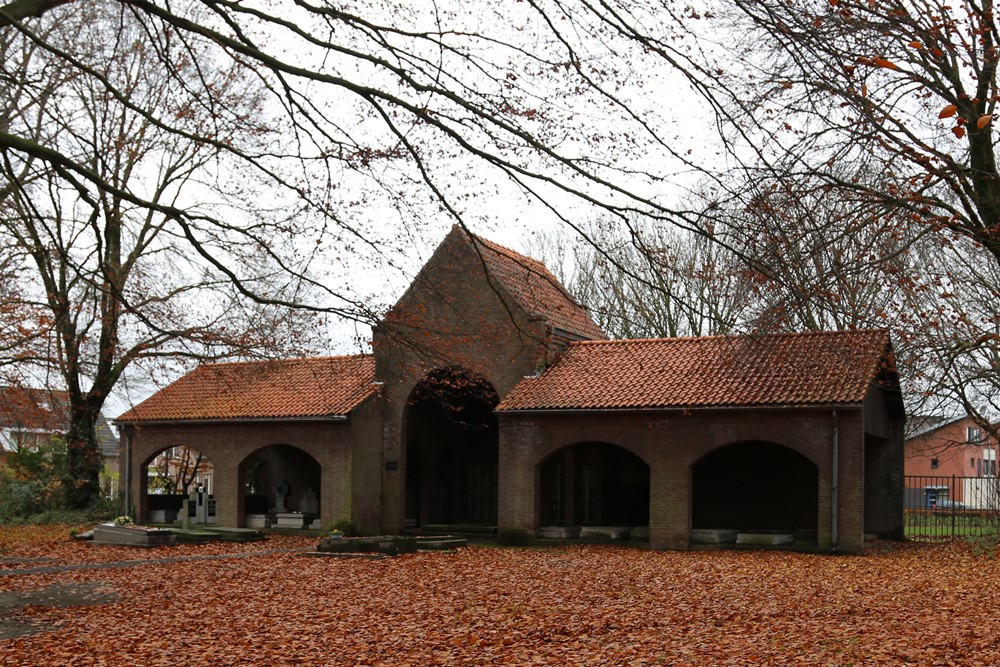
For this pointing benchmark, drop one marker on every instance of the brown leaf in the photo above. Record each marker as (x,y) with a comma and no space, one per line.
(886,64)
(948,111)
(958,131)
(984,120)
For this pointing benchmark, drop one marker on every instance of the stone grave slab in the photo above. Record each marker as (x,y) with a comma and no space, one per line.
(763,538)
(559,532)
(713,536)
(134,536)
(605,532)
(297,520)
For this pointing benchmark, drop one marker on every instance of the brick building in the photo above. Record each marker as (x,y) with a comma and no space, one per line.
(493,399)
(950,462)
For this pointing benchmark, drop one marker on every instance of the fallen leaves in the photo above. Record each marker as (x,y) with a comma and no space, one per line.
(581,605)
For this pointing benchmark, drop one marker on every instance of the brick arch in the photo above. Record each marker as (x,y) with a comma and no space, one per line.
(806,450)
(593,482)
(292,466)
(555,445)
(145,449)
(146,445)
(755,484)
(450,438)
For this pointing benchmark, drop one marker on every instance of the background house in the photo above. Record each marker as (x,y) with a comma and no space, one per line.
(950,461)
(32,418)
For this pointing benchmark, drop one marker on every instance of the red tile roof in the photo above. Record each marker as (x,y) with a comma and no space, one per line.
(34,409)
(718,371)
(281,389)
(536,289)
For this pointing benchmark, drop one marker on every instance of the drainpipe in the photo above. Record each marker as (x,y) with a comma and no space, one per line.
(835,482)
(127,433)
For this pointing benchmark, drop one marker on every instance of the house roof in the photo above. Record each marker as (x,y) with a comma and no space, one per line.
(779,370)
(47,411)
(34,409)
(318,387)
(535,288)
(919,426)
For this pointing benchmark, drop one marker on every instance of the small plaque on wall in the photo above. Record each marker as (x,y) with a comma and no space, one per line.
(392,465)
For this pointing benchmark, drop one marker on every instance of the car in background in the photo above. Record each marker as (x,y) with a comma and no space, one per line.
(950,505)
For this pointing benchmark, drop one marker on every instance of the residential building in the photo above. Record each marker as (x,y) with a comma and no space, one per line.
(30,418)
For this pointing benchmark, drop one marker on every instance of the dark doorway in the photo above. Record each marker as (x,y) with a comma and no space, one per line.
(452,450)
(755,486)
(594,483)
(280,478)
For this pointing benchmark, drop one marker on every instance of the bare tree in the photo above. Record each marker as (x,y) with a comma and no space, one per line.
(890,106)
(110,283)
(656,281)
(269,142)
(178,468)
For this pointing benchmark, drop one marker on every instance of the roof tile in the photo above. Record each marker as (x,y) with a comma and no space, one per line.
(717,371)
(277,389)
(535,288)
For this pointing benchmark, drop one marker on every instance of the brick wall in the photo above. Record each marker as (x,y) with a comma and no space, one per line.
(339,448)
(671,444)
(452,314)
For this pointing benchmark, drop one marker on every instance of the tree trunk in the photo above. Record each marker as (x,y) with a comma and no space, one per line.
(84,459)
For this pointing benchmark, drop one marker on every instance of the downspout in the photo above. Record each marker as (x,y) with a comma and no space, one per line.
(127,433)
(835,482)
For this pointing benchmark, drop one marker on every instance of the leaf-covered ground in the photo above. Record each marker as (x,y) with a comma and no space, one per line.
(581,605)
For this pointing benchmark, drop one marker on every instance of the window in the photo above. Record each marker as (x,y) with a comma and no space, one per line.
(973,435)
(989,462)
(934,463)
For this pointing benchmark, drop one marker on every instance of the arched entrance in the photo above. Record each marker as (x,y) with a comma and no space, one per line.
(452,449)
(756,486)
(173,475)
(279,479)
(593,483)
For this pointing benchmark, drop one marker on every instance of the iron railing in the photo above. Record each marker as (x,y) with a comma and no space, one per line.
(948,507)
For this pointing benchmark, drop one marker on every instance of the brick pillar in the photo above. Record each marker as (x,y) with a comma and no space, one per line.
(517,503)
(669,503)
(228,494)
(335,486)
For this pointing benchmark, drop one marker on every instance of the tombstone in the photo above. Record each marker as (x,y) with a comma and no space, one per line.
(310,501)
(187,512)
(280,494)
(201,504)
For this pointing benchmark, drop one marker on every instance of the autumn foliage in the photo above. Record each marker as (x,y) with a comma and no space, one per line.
(579,605)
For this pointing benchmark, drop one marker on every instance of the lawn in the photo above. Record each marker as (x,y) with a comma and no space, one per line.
(900,604)
(947,523)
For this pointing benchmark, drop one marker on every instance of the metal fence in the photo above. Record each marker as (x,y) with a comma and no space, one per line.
(949,507)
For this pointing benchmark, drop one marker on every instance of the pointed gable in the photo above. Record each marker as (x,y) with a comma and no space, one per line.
(782,370)
(534,287)
(315,388)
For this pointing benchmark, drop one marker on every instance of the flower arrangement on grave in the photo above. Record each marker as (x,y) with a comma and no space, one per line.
(124,520)
(336,533)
